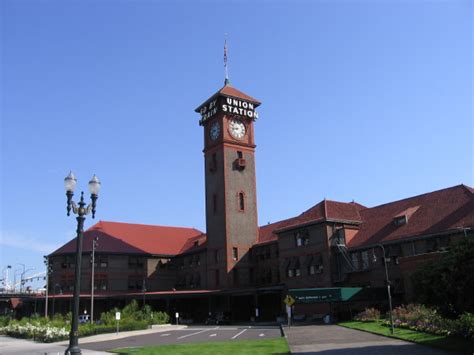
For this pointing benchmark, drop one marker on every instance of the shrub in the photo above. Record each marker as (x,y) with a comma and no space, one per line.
(368,315)
(422,318)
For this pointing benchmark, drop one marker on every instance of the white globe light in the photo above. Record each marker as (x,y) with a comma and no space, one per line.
(70,182)
(94,185)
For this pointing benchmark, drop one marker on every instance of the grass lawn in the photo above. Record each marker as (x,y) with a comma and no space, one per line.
(438,341)
(270,346)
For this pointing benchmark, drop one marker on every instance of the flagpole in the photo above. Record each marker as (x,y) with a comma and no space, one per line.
(226,80)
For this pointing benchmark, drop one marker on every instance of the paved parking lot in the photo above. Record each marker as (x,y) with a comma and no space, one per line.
(189,335)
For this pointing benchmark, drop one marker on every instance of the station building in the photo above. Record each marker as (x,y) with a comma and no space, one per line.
(328,257)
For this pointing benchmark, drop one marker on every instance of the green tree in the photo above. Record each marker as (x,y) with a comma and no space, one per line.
(448,284)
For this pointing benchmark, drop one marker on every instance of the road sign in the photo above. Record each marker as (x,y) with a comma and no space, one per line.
(290,301)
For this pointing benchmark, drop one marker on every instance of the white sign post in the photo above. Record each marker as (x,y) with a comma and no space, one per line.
(117,318)
(288,312)
(177,317)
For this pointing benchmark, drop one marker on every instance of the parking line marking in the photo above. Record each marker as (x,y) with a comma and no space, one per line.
(165,335)
(236,335)
(202,331)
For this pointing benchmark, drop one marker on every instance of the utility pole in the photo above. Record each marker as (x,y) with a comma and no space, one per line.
(46,262)
(94,245)
(144,292)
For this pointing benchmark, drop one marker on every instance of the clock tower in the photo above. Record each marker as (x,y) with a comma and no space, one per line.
(231,201)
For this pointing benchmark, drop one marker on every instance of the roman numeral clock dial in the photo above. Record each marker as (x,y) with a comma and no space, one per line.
(236,128)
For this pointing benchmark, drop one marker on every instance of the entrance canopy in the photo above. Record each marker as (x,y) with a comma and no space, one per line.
(335,294)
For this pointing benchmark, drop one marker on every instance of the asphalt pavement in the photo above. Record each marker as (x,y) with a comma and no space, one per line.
(191,334)
(335,340)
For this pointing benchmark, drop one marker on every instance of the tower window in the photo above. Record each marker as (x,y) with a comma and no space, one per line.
(239,154)
(213,165)
(214,203)
(235,253)
(241,201)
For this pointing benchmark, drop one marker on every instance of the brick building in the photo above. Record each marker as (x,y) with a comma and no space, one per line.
(237,266)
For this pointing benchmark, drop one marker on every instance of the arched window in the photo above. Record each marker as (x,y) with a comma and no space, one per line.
(241,201)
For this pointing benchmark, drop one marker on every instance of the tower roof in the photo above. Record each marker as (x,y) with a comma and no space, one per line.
(229,91)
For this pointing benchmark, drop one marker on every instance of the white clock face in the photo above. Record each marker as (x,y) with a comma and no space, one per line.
(215,130)
(236,128)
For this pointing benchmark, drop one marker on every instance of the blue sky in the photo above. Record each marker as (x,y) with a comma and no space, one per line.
(363,100)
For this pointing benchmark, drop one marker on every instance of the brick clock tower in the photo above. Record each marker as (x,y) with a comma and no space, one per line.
(231,202)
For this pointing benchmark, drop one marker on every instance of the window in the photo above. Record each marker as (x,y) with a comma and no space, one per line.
(196,243)
(68,262)
(216,275)
(135,263)
(214,203)
(365,260)
(239,154)
(100,261)
(100,282)
(235,253)
(312,270)
(241,201)
(400,220)
(213,165)
(290,273)
(235,276)
(301,238)
(135,282)
(355,261)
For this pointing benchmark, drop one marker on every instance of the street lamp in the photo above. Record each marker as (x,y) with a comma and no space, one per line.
(23,278)
(81,211)
(388,283)
(5,278)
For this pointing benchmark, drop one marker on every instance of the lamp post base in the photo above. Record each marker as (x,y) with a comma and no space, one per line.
(71,350)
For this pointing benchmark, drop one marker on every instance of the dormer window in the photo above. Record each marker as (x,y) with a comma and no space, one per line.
(400,220)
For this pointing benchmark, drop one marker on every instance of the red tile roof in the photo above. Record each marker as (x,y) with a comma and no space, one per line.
(230,91)
(115,237)
(437,212)
(430,213)
(324,210)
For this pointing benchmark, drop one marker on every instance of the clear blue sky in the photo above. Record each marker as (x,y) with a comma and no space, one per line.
(363,100)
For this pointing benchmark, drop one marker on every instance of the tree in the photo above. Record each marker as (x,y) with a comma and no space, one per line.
(448,284)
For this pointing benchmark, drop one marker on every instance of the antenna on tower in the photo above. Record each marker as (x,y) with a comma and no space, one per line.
(226,80)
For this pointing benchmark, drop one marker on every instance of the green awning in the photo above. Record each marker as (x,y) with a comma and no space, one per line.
(335,294)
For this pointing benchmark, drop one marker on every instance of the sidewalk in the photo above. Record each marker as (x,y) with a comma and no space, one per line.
(10,345)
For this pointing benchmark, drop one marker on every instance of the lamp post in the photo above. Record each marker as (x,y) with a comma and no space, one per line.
(94,246)
(5,278)
(388,284)
(23,278)
(81,211)
(144,292)
(48,271)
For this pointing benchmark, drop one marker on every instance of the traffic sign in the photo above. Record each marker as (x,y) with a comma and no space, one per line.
(290,301)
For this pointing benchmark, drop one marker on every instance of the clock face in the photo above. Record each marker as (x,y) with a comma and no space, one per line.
(214,131)
(236,128)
